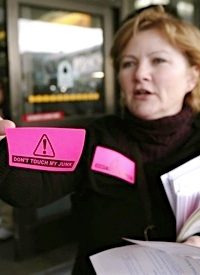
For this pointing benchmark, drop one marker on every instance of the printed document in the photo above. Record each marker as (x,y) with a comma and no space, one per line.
(148,258)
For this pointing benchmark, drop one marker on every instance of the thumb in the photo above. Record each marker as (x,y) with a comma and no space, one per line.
(193,240)
(4,123)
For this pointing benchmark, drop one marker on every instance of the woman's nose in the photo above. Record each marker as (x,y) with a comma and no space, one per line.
(142,72)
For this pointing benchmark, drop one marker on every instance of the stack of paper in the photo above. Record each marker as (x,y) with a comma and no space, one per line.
(182,186)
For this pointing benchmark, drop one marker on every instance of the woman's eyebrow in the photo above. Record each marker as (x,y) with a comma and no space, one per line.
(158,52)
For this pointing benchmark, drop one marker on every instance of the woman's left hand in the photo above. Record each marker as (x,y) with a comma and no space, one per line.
(193,240)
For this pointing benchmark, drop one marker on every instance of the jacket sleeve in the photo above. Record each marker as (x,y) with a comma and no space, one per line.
(32,188)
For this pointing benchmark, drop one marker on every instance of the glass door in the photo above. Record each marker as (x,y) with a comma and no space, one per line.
(59,63)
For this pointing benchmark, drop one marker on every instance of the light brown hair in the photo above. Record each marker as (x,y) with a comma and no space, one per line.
(181,34)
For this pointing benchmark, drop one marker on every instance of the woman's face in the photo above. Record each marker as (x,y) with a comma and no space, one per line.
(154,76)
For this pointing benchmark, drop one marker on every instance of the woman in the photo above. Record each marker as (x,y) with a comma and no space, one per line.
(157,62)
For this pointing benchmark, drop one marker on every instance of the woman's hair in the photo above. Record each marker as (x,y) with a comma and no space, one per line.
(180,34)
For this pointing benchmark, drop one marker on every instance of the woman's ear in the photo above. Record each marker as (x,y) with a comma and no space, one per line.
(194,76)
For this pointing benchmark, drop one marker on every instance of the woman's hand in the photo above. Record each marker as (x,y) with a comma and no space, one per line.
(193,240)
(4,123)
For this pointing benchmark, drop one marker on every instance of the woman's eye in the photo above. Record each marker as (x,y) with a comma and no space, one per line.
(158,60)
(127,64)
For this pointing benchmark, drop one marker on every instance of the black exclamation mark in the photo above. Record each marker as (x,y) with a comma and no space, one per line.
(44,146)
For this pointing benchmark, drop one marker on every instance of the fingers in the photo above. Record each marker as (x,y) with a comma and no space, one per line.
(193,240)
(4,123)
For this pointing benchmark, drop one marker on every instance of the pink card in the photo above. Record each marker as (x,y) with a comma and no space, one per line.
(50,149)
(110,162)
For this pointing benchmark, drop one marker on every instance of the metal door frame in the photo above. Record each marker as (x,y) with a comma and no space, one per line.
(102,9)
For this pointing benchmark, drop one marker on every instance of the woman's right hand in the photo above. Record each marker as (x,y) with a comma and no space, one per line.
(4,123)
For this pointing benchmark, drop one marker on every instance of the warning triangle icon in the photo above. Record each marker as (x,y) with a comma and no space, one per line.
(44,148)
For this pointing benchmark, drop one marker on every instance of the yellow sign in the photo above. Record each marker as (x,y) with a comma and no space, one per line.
(53,98)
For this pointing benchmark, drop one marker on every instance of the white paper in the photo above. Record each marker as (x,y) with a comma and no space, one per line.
(148,258)
(170,247)
(182,186)
(185,168)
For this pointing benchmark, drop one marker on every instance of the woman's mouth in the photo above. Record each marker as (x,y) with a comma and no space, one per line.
(142,92)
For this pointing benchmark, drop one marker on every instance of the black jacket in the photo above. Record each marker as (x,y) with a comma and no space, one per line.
(108,208)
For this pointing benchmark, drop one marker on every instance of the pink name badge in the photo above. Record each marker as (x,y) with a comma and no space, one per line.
(50,149)
(113,163)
